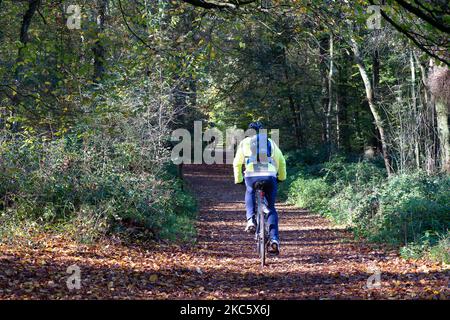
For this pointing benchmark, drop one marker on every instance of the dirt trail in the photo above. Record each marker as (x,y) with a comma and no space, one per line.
(317,261)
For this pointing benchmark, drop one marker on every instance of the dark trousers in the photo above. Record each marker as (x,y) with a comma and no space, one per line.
(271,194)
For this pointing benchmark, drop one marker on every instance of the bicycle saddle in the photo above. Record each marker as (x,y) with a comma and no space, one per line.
(260,185)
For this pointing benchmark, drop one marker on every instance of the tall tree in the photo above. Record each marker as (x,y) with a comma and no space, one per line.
(372,104)
(439,85)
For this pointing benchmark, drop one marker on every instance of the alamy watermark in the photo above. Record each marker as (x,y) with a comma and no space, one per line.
(266,4)
(374,20)
(74,280)
(374,281)
(74,19)
(219,147)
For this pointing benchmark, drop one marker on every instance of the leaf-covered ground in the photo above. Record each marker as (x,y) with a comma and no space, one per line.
(317,261)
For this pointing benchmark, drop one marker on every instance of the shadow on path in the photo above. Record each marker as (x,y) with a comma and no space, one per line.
(317,261)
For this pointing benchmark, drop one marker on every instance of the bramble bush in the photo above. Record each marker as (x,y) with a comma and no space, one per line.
(409,206)
(89,184)
(310,193)
(410,210)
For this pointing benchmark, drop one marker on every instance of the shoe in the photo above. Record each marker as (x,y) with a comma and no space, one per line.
(251,226)
(274,247)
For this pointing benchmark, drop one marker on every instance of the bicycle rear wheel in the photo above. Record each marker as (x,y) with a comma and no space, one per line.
(261,229)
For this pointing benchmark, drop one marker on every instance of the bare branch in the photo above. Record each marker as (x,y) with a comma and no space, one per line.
(419,13)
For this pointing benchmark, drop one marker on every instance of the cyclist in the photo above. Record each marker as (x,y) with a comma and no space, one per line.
(263,161)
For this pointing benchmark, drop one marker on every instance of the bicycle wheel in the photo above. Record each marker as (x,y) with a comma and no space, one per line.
(261,230)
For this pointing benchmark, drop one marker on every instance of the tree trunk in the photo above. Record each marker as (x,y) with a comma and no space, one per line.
(429,143)
(372,105)
(330,93)
(414,110)
(292,106)
(342,120)
(24,39)
(375,85)
(443,132)
(439,82)
(376,72)
(323,45)
(338,122)
(99,49)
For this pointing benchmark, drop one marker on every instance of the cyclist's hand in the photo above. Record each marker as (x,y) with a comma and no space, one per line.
(242,182)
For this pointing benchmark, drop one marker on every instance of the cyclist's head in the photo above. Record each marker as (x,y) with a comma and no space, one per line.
(257,125)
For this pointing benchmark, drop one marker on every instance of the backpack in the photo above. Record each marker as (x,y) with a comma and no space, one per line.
(261,148)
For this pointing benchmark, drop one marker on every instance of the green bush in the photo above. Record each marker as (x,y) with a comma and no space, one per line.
(410,210)
(92,185)
(334,188)
(310,193)
(409,206)
(348,205)
(434,246)
(358,174)
(306,157)
(441,250)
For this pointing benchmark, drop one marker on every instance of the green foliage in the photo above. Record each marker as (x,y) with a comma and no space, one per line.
(357,174)
(408,206)
(310,193)
(303,157)
(92,187)
(440,251)
(347,205)
(434,246)
(410,210)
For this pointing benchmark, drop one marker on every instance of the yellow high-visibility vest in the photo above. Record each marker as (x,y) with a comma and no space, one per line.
(275,166)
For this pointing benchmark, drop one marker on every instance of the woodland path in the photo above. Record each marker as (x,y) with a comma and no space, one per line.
(317,260)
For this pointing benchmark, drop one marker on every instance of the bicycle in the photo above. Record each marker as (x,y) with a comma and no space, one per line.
(262,228)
